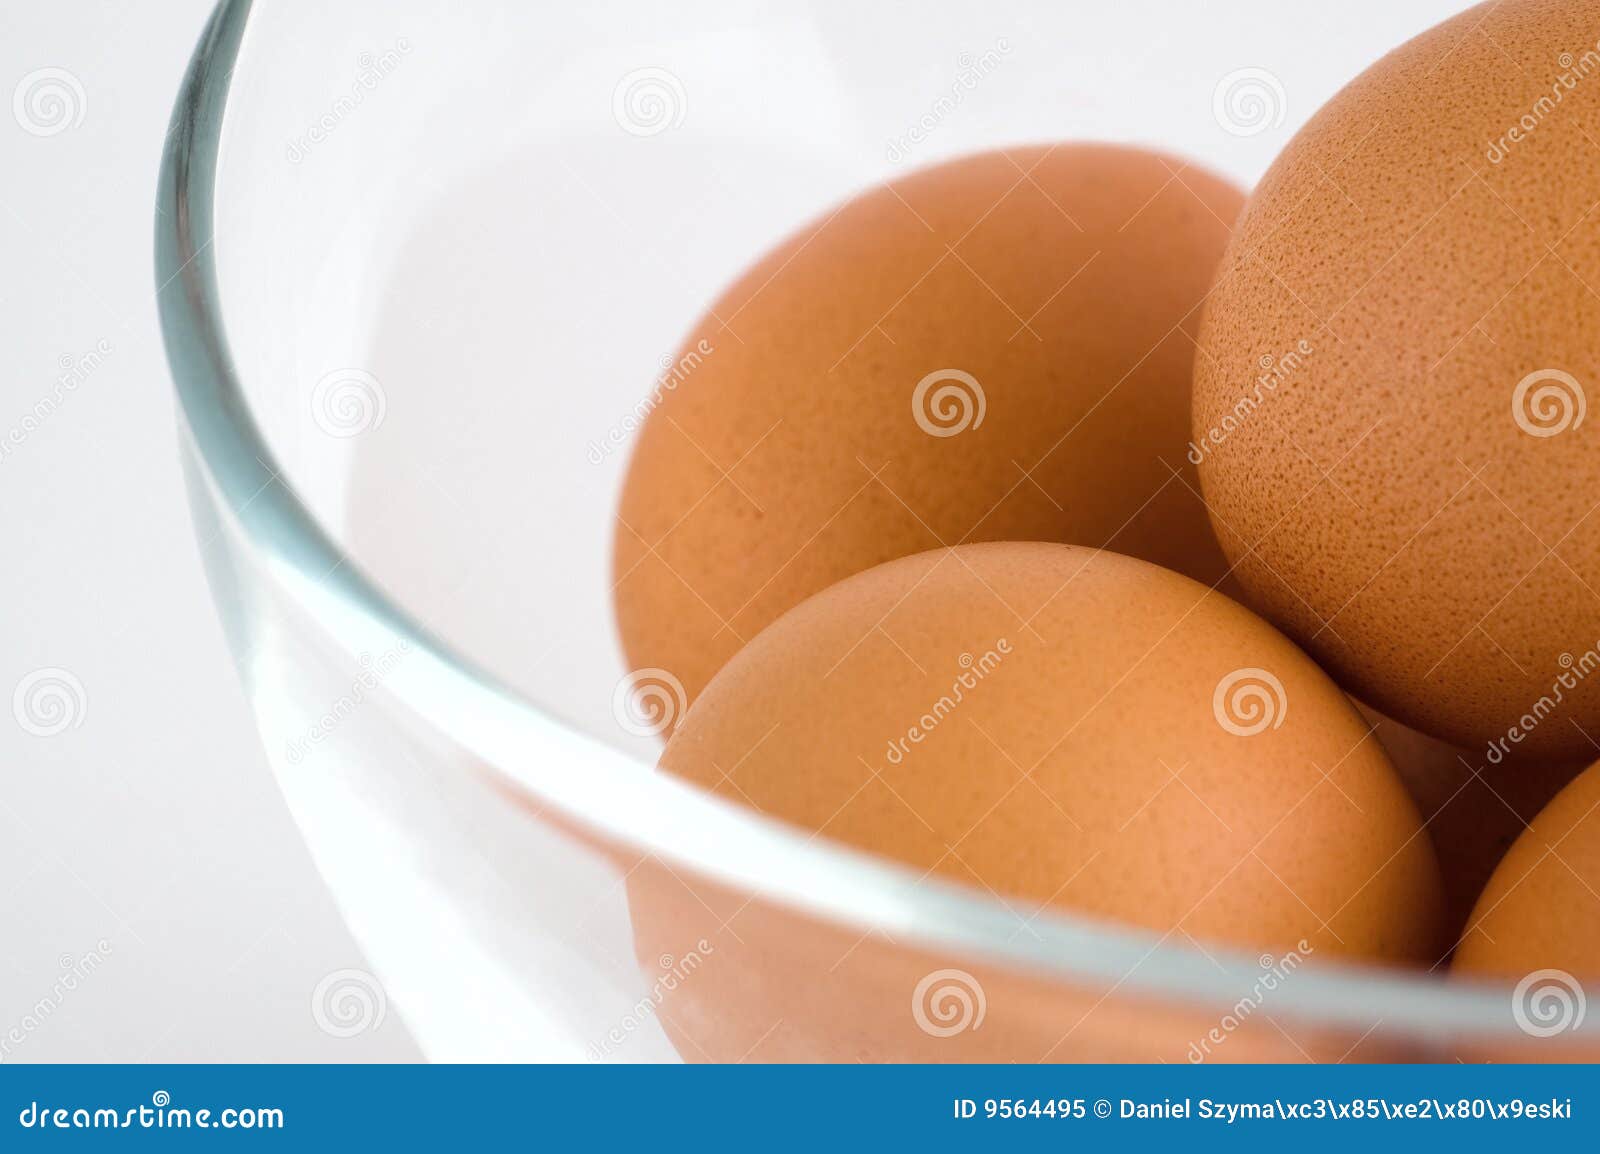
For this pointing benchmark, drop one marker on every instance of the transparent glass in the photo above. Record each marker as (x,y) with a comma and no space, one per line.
(418,262)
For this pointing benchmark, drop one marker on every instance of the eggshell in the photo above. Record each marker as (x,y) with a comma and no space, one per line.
(1473,809)
(1541,909)
(734,978)
(1058,725)
(1388,414)
(995,348)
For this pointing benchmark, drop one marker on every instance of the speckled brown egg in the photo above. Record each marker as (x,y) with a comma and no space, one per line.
(1541,909)
(1390,412)
(995,348)
(1058,725)
(1474,809)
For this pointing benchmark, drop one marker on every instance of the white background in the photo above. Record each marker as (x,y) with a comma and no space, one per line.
(154,826)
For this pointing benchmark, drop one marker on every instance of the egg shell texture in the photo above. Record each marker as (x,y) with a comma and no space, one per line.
(998,347)
(1388,411)
(1541,909)
(1059,725)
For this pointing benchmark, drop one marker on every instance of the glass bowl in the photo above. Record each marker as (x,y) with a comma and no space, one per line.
(417,265)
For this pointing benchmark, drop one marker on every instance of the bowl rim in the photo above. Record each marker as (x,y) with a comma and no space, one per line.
(618,797)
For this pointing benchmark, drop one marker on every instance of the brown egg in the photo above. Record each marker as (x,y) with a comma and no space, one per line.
(1474,809)
(1389,410)
(1059,725)
(1541,909)
(996,348)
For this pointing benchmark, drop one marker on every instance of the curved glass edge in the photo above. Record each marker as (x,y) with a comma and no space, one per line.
(602,789)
